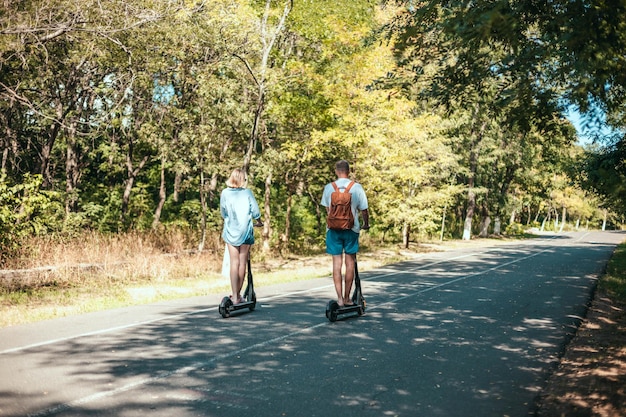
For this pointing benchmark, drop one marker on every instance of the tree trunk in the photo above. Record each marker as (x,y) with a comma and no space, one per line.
(10,153)
(284,238)
(545,220)
(512,218)
(130,180)
(406,232)
(267,41)
(443,223)
(178,179)
(267,230)
(556,220)
(471,206)
(48,145)
(254,135)
(497,226)
(203,219)
(46,152)
(72,171)
(563,219)
(5,156)
(162,197)
(484,227)
(485,221)
(473,166)
(318,212)
(604,221)
(459,215)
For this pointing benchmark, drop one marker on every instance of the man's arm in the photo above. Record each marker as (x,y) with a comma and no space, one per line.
(366,219)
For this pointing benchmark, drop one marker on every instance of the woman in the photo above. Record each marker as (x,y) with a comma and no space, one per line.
(238,207)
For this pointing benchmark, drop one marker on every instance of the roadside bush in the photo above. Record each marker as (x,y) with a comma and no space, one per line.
(514,229)
(26,211)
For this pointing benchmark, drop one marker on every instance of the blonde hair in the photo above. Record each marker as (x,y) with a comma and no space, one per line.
(237,178)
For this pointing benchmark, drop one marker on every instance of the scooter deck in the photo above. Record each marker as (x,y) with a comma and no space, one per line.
(333,311)
(226,307)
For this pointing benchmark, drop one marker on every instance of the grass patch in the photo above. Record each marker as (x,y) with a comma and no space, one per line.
(614,281)
(98,293)
(95,273)
(78,280)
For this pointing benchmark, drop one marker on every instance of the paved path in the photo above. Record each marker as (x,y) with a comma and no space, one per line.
(471,332)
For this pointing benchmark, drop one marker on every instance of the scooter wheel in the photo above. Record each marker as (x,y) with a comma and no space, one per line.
(253,305)
(361,309)
(331,310)
(225,306)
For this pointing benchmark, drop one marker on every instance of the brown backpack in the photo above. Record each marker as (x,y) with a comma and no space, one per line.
(340,215)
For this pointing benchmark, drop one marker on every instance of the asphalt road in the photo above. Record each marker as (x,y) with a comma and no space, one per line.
(472,332)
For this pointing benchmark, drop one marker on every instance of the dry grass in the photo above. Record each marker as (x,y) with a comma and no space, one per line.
(54,278)
(94,272)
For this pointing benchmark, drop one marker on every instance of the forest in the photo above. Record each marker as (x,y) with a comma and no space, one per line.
(127,116)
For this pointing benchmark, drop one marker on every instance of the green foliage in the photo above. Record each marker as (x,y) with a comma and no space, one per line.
(615,279)
(515,229)
(504,71)
(144,91)
(606,173)
(25,211)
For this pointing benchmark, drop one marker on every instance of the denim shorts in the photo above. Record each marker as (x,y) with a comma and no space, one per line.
(249,239)
(340,241)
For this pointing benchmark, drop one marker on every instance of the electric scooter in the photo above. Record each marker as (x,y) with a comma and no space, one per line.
(333,311)
(227,307)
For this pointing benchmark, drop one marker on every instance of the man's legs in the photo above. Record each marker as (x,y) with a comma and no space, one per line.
(343,292)
(337,279)
(350,260)
(337,243)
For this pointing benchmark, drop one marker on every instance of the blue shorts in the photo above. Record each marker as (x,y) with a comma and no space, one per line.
(249,239)
(340,241)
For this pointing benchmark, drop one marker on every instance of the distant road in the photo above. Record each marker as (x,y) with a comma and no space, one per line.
(472,332)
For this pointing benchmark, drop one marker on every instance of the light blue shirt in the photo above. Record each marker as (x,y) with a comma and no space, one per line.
(238,207)
(358,198)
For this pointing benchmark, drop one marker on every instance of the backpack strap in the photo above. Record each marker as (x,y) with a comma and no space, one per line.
(347,188)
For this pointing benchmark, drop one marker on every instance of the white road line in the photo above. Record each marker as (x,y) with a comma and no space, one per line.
(293,293)
(198,365)
(142,323)
(464,277)
(189,368)
(101,331)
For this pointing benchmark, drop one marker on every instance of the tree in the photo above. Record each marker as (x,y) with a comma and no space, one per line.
(568,52)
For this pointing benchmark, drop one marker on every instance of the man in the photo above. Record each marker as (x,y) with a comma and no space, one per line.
(339,242)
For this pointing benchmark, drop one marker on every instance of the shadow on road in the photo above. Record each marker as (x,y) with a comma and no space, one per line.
(449,335)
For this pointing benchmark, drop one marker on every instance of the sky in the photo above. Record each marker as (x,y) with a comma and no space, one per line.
(588,131)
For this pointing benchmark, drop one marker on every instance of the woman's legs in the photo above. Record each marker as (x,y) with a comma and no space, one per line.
(238,263)
(244,250)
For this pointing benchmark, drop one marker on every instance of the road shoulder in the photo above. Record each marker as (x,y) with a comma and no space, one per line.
(590,379)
